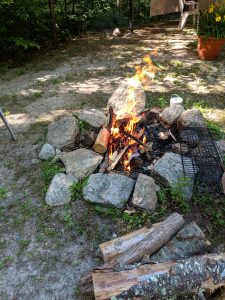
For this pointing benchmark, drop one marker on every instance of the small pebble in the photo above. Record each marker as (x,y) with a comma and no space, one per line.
(35,161)
(114,235)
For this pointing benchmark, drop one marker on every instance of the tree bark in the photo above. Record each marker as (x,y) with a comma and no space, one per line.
(184,277)
(51,4)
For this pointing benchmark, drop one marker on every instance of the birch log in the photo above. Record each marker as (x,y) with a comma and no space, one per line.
(184,277)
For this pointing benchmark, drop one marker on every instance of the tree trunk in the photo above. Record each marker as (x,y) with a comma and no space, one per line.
(51,4)
(65,7)
(184,277)
(73,7)
(131,26)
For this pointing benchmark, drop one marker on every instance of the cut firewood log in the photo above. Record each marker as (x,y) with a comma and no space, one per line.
(187,242)
(155,281)
(153,241)
(120,245)
(102,141)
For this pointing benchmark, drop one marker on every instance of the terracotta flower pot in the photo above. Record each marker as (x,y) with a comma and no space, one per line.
(209,48)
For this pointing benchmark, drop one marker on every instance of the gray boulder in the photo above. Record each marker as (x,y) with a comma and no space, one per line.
(81,162)
(170,170)
(191,118)
(221,146)
(144,195)
(62,133)
(189,241)
(109,189)
(58,192)
(170,115)
(93,117)
(47,152)
(128,99)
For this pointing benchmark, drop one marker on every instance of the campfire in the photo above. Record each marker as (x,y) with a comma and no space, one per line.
(133,140)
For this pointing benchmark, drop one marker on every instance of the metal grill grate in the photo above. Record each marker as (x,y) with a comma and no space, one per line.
(201,159)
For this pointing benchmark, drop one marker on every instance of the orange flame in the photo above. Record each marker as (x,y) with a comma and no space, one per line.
(143,75)
(147,72)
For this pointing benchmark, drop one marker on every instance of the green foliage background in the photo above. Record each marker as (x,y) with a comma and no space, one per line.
(26,24)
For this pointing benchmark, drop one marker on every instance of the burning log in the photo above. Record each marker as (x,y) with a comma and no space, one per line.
(154,281)
(135,139)
(146,147)
(118,158)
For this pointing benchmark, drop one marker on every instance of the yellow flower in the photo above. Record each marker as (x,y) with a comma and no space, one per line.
(218,18)
(211,9)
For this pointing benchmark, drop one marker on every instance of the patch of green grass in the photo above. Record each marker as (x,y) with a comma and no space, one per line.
(216,130)
(5,262)
(68,218)
(131,221)
(155,101)
(35,95)
(48,170)
(83,125)
(77,188)
(3,193)
(212,208)
(23,244)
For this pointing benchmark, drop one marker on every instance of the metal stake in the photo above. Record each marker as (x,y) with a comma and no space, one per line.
(7,125)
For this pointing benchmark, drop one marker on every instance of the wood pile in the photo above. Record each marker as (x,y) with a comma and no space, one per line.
(125,274)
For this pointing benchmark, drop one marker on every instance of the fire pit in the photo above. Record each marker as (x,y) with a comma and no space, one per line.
(128,144)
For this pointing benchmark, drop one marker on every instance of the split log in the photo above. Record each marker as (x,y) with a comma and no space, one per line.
(153,241)
(189,241)
(116,247)
(157,281)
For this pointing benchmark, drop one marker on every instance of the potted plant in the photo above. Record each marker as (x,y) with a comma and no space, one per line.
(211,31)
